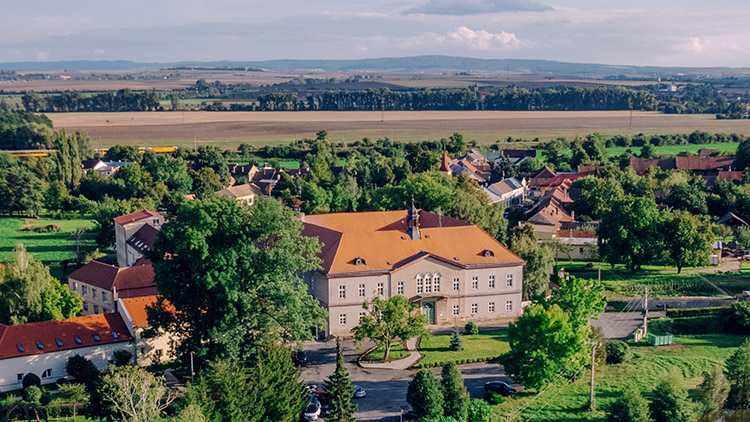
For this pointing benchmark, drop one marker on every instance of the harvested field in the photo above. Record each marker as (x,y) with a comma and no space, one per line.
(233,128)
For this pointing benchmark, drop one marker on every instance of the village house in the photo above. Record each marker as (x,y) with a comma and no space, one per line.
(551,211)
(100,284)
(42,349)
(147,349)
(104,168)
(473,165)
(126,226)
(454,271)
(513,156)
(510,191)
(539,178)
(577,245)
(245,193)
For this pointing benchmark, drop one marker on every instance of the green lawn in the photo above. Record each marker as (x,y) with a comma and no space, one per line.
(664,281)
(48,247)
(397,352)
(733,283)
(676,149)
(483,346)
(565,401)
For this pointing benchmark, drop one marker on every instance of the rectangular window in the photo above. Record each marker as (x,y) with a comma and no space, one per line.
(342,319)
(400,288)
(361,315)
(85,306)
(105,310)
(47,373)
(491,282)
(96,309)
(93,293)
(74,286)
(509,280)
(420,284)
(428,283)
(342,292)
(475,282)
(491,307)
(361,290)
(381,289)
(474,308)
(436,282)
(456,284)
(20,377)
(509,306)
(104,297)
(455,310)
(84,290)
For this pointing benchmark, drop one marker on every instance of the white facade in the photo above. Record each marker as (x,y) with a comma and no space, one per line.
(50,367)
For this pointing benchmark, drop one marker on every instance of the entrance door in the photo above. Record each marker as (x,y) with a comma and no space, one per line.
(428,310)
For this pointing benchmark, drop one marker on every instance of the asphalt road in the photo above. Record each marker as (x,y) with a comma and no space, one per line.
(386,388)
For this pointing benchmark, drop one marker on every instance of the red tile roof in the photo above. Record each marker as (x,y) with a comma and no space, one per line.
(561,178)
(136,216)
(581,234)
(445,162)
(732,176)
(380,239)
(144,239)
(109,277)
(703,163)
(66,330)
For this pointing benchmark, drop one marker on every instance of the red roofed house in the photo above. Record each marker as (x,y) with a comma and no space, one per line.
(454,271)
(126,226)
(100,284)
(579,245)
(147,350)
(43,348)
(550,212)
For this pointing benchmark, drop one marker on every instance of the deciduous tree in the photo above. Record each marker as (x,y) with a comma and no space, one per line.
(630,232)
(629,407)
(687,238)
(389,320)
(133,394)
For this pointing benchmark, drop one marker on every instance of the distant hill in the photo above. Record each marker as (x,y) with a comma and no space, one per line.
(413,64)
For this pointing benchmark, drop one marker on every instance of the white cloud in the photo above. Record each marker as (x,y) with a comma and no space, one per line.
(484,40)
(476,7)
(692,45)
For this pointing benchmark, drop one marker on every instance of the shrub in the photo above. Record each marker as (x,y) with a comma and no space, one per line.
(618,352)
(457,342)
(492,398)
(471,328)
(629,407)
(738,373)
(739,318)
(682,313)
(479,411)
(122,357)
(670,402)
(714,388)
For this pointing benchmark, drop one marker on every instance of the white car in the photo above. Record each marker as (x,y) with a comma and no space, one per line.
(312,412)
(359,392)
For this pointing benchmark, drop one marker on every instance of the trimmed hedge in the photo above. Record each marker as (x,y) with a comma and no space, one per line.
(692,312)
(456,361)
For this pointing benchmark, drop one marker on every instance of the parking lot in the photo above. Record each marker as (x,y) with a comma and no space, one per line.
(386,388)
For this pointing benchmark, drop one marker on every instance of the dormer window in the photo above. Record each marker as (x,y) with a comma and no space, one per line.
(360,262)
(39,345)
(488,253)
(77,339)
(97,338)
(114,335)
(58,342)
(20,348)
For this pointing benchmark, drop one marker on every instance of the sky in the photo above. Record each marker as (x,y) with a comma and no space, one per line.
(633,32)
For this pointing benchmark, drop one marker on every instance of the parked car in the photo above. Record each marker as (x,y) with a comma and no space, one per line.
(299,357)
(499,387)
(312,412)
(359,392)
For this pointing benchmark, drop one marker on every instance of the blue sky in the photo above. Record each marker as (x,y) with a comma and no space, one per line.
(662,32)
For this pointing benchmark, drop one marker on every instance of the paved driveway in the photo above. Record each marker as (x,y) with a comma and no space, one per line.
(386,388)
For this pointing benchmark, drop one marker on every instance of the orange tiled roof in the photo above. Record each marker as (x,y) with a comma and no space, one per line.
(588,234)
(136,308)
(136,216)
(380,239)
(66,330)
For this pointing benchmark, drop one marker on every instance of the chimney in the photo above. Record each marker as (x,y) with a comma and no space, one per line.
(412,222)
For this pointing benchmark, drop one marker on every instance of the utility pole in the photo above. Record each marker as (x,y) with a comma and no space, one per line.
(645,311)
(192,372)
(592,402)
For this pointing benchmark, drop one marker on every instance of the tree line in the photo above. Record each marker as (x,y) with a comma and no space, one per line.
(72,101)
(23,130)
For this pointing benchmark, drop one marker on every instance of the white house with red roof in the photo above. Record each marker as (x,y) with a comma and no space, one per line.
(453,270)
(126,226)
(43,348)
(100,284)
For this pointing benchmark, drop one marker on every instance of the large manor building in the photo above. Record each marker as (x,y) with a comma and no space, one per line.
(453,270)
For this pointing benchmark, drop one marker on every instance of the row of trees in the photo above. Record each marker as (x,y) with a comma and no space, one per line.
(71,101)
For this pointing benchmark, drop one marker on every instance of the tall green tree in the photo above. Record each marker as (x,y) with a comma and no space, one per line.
(339,391)
(455,395)
(670,402)
(738,374)
(630,233)
(20,190)
(542,345)
(598,194)
(424,395)
(389,320)
(687,238)
(742,159)
(715,387)
(629,407)
(231,274)
(539,257)
(28,292)
(132,394)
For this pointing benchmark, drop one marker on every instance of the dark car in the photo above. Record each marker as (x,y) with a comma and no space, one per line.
(499,387)
(300,357)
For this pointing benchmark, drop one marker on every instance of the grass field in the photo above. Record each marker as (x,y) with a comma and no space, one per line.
(565,401)
(676,149)
(733,283)
(229,129)
(397,352)
(483,346)
(50,248)
(663,281)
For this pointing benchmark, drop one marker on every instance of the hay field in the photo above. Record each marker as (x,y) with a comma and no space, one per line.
(232,128)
